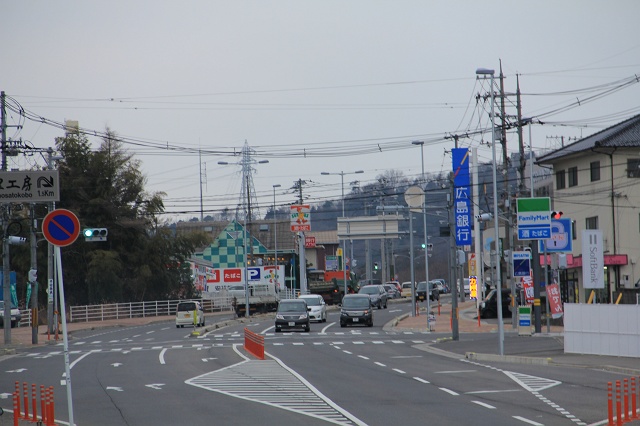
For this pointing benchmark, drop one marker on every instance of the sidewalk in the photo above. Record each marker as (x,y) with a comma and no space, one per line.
(480,341)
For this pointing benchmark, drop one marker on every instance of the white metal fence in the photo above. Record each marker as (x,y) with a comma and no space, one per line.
(140,309)
(213,302)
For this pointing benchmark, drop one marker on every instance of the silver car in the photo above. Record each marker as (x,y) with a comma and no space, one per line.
(318,308)
(377,294)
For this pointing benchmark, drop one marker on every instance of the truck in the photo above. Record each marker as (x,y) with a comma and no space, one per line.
(330,284)
(262,298)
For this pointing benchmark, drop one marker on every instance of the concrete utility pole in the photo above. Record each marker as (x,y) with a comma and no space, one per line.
(6,282)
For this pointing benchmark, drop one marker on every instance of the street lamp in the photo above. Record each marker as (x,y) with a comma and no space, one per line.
(426,243)
(484,72)
(275,232)
(344,242)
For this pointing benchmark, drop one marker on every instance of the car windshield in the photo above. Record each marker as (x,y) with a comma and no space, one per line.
(182,307)
(490,295)
(422,286)
(408,285)
(292,307)
(356,302)
(369,290)
(312,301)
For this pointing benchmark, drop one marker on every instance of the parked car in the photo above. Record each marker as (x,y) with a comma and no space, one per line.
(392,291)
(377,293)
(189,313)
(292,314)
(489,306)
(406,289)
(16,315)
(356,309)
(317,305)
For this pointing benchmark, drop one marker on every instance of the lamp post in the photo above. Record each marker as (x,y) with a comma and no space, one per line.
(484,72)
(344,242)
(424,223)
(275,232)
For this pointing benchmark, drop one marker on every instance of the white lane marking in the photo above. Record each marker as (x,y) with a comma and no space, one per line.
(455,371)
(19,370)
(166,328)
(380,364)
(407,356)
(80,359)
(337,343)
(482,404)
(363,357)
(266,329)
(531,383)
(421,380)
(137,335)
(156,386)
(152,331)
(395,310)
(358,343)
(115,388)
(531,422)
(347,352)
(449,391)
(162,352)
(397,342)
(399,371)
(116,364)
(493,391)
(324,329)
(377,342)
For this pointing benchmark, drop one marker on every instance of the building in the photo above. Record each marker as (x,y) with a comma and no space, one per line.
(597,185)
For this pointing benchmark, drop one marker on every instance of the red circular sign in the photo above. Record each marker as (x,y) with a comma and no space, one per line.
(61,227)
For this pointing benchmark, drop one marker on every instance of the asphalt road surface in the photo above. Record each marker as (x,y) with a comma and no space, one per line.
(157,374)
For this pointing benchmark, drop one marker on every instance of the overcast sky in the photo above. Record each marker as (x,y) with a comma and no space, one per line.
(349,83)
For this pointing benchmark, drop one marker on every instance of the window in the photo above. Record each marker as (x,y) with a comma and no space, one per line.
(595,171)
(573,230)
(560,183)
(633,168)
(592,222)
(573,176)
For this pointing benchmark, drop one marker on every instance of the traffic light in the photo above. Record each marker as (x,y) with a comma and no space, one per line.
(375,266)
(423,246)
(95,234)
(556,215)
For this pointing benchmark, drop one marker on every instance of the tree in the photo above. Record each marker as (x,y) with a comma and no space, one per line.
(142,259)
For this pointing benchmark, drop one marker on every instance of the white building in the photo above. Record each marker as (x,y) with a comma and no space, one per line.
(597,185)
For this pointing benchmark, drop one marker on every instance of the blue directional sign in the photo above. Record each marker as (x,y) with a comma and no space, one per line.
(561,240)
(534,218)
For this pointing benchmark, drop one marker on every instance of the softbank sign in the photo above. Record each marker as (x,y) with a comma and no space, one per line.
(592,259)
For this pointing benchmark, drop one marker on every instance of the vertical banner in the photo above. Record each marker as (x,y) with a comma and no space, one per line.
(592,259)
(555,300)
(462,196)
(527,284)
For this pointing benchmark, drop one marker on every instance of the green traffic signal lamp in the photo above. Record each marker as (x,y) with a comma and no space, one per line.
(375,266)
(423,246)
(95,234)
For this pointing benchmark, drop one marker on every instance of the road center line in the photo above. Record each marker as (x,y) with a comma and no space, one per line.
(449,391)
(531,422)
(482,404)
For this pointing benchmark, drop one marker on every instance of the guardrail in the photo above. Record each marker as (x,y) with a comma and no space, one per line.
(140,309)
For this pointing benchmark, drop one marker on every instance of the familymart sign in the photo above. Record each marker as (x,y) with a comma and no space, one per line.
(534,218)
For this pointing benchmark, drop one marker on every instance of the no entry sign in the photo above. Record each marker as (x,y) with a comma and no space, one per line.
(61,227)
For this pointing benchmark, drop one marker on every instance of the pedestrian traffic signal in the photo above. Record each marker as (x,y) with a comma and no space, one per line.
(95,234)
(556,215)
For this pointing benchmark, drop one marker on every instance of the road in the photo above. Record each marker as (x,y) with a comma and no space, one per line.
(159,374)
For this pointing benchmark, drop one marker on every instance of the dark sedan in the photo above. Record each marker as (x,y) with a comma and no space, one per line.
(356,309)
(292,314)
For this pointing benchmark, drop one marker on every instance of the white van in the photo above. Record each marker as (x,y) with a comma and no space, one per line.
(189,313)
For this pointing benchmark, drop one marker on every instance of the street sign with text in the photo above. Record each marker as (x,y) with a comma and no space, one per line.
(534,218)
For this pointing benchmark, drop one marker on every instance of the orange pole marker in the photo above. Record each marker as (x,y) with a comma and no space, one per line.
(634,408)
(610,403)
(618,404)
(25,395)
(626,399)
(43,412)
(16,413)
(16,408)
(34,406)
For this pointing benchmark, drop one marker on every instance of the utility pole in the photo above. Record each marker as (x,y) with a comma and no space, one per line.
(302,267)
(6,282)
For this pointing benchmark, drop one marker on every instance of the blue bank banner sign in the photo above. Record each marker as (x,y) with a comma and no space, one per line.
(462,196)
